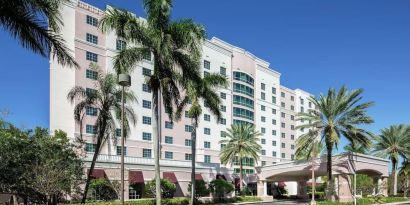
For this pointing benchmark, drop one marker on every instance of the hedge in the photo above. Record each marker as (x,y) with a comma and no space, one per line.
(367,201)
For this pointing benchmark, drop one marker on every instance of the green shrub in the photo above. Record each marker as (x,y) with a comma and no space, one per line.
(318,195)
(102,189)
(175,201)
(167,189)
(220,188)
(201,189)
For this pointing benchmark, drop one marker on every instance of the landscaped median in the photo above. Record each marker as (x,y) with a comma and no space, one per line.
(369,201)
(177,201)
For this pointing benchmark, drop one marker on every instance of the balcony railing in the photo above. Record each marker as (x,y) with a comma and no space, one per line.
(148,161)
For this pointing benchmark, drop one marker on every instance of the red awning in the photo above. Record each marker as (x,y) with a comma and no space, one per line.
(170,176)
(220,176)
(198,177)
(98,173)
(135,177)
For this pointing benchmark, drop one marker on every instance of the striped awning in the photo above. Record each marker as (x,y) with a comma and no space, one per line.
(198,177)
(135,177)
(98,173)
(170,176)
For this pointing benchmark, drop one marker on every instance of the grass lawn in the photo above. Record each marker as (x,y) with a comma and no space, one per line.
(368,201)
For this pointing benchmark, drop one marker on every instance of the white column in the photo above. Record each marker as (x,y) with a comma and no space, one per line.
(265,188)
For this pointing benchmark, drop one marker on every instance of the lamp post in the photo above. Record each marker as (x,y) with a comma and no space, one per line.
(125,81)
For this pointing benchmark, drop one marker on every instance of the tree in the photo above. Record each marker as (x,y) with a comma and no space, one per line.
(337,115)
(355,148)
(35,24)
(176,47)
(167,189)
(200,189)
(204,89)
(241,141)
(404,174)
(220,188)
(393,143)
(106,99)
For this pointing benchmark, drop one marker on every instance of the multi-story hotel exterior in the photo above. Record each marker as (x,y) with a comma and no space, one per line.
(254,95)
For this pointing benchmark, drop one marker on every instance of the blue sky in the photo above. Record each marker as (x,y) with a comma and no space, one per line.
(314,44)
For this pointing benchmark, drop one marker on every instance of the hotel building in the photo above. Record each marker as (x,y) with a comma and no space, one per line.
(254,95)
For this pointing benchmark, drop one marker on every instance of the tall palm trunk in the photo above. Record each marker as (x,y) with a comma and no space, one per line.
(95,156)
(394,175)
(157,145)
(240,176)
(329,147)
(193,152)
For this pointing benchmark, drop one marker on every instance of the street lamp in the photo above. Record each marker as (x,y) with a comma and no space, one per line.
(125,81)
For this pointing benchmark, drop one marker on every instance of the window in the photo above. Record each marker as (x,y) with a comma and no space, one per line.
(90,147)
(263,108)
(240,100)
(262,95)
(282,104)
(188,142)
(92,38)
(274,111)
(292,146)
(292,127)
(263,141)
(282,94)
(188,156)
(292,137)
(263,119)
(169,140)
(240,88)
(133,194)
(301,101)
(223,134)
(292,98)
(146,104)
(243,77)
(274,143)
(243,113)
(92,111)
(146,120)
(90,74)
(273,99)
(207,131)
(146,153)
(207,64)
(223,95)
(263,86)
(263,130)
(207,158)
(169,125)
(207,117)
(263,163)
(90,92)
(283,135)
(283,155)
(283,125)
(169,155)
(273,122)
(263,152)
(292,107)
(283,145)
(274,132)
(206,73)
(91,56)
(118,132)
(119,150)
(91,129)
(92,20)
(187,114)
(146,72)
(223,108)
(222,121)
(207,144)
(188,128)
(120,45)
(146,88)
(273,154)
(282,114)
(302,109)
(147,56)
(292,156)
(292,117)
(222,146)
(274,90)
(222,71)
(146,136)
(310,104)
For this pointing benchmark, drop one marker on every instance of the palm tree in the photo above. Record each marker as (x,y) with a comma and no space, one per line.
(205,90)
(106,98)
(241,141)
(337,115)
(393,143)
(176,47)
(35,24)
(405,172)
(355,148)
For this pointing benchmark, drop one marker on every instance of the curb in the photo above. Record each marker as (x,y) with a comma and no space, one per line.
(394,203)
